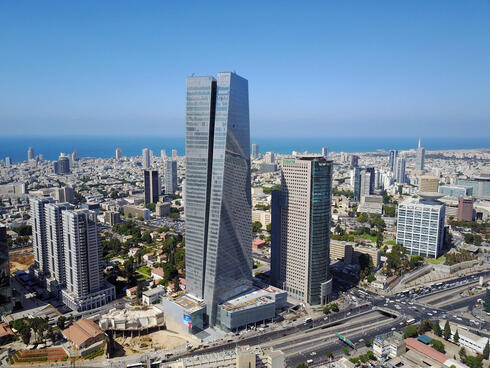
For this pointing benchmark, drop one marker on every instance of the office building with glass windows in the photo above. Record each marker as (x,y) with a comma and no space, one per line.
(301,216)
(218,203)
(170,176)
(6,300)
(152,186)
(420,225)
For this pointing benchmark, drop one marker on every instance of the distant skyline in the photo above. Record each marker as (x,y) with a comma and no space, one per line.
(322,68)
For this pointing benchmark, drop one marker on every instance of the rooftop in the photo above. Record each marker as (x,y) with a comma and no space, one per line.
(251,298)
(81,331)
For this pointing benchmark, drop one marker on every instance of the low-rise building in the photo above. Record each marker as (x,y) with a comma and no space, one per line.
(255,305)
(84,333)
(152,295)
(389,345)
(341,250)
(371,204)
(264,217)
(162,209)
(136,211)
(157,274)
(374,253)
(467,339)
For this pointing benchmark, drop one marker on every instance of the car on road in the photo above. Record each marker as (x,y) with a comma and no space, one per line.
(313,353)
(309,361)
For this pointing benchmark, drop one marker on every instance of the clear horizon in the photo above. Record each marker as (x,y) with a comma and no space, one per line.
(380,68)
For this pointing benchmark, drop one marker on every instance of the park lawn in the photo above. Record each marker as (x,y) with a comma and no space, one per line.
(390,242)
(439,260)
(368,237)
(145,271)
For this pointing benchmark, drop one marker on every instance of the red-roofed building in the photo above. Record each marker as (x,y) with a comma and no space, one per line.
(258,243)
(415,345)
(157,274)
(5,332)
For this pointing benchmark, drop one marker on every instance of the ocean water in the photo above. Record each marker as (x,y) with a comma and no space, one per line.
(105,146)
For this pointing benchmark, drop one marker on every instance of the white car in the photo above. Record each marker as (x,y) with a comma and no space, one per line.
(313,353)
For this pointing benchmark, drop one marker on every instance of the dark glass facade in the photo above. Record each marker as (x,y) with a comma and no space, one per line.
(6,301)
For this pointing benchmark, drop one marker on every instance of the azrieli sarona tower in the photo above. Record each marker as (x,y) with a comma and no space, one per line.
(218,197)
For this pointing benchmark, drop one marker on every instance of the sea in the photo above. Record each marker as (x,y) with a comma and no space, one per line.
(104,146)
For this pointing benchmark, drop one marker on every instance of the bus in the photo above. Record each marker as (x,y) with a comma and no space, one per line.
(410,322)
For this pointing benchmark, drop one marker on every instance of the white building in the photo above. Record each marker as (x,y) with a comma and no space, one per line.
(39,239)
(467,339)
(145,158)
(152,295)
(85,285)
(420,225)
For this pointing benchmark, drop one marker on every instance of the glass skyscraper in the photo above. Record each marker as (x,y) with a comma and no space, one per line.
(300,248)
(6,301)
(217,193)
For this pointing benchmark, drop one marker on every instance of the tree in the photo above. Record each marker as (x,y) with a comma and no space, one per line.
(368,342)
(329,354)
(61,322)
(151,206)
(410,331)
(424,326)
(345,351)
(302,365)
(486,350)
(326,309)
(474,361)
(25,335)
(256,227)
(363,217)
(447,331)
(462,354)
(335,307)
(456,337)
(438,345)
(268,227)
(436,328)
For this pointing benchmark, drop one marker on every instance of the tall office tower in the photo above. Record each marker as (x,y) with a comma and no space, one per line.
(465,208)
(354,161)
(6,302)
(420,225)
(118,153)
(255,150)
(218,203)
(420,158)
(152,189)
(55,247)
(399,172)
(65,194)
(269,158)
(325,152)
(63,165)
(377,179)
(428,183)
(302,235)
(170,176)
(74,155)
(365,183)
(145,158)
(8,161)
(163,154)
(85,285)
(393,157)
(30,154)
(39,237)
(175,153)
(356,182)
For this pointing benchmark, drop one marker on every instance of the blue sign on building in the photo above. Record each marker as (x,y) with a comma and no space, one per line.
(188,320)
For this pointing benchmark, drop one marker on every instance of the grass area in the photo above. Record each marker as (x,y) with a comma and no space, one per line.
(368,237)
(144,270)
(439,260)
(390,242)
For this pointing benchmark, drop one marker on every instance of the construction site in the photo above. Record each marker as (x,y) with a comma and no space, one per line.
(138,329)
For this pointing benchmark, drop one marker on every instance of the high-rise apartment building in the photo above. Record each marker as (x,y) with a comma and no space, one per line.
(62,166)
(145,158)
(170,176)
(30,154)
(6,301)
(163,154)
(399,173)
(363,181)
(217,193)
(393,157)
(65,194)
(465,208)
(420,225)
(55,280)
(354,161)
(255,150)
(118,153)
(325,152)
(301,229)
(74,155)
(152,189)
(428,183)
(270,158)
(85,285)
(39,237)
(420,158)
(175,154)
(8,161)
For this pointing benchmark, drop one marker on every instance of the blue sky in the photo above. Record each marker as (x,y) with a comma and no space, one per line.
(315,68)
